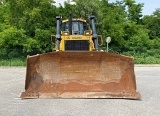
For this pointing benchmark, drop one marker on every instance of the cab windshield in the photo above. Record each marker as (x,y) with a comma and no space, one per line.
(78,27)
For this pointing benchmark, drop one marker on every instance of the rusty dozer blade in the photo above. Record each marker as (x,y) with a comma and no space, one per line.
(80,75)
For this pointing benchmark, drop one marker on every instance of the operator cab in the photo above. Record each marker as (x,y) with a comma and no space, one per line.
(78,26)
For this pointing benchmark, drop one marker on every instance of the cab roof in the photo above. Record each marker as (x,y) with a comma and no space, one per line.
(78,19)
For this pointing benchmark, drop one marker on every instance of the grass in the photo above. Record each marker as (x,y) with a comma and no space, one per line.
(12,62)
(147,60)
(144,58)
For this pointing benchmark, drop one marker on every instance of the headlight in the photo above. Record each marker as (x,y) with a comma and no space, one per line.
(87,32)
(65,33)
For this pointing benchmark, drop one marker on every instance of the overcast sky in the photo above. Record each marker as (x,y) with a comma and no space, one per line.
(149,5)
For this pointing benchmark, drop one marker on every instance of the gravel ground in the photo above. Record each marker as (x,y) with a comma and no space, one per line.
(12,84)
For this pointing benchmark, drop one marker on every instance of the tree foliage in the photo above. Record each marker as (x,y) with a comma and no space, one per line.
(28,25)
(152,23)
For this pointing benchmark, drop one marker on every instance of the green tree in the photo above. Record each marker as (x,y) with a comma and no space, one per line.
(121,22)
(4,23)
(113,23)
(10,40)
(27,25)
(157,12)
(32,16)
(152,23)
(134,10)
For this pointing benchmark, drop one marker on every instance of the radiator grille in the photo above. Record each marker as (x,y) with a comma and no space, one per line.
(77,45)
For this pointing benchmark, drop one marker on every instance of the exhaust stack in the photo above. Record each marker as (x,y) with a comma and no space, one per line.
(70,23)
(58,36)
(95,36)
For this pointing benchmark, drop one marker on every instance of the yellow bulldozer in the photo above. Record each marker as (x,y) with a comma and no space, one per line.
(77,68)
